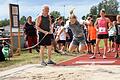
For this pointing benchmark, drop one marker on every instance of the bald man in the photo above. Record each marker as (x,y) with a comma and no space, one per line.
(43,24)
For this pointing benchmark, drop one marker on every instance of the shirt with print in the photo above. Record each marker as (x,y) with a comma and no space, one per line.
(76,29)
(112,31)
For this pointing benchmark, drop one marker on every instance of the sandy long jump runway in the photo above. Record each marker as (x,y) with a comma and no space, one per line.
(81,72)
(78,68)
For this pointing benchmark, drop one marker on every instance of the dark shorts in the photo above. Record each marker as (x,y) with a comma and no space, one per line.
(52,37)
(80,41)
(102,36)
(112,38)
(62,42)
(46,41)
(117,39)
(93,42)
(69,39)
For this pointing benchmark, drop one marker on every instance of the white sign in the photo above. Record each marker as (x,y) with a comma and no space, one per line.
(14,10)
(15,21)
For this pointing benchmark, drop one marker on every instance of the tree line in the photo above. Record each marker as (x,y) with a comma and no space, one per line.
(23,19)
(110,6)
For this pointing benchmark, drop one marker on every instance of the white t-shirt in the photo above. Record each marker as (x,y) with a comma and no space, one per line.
(112,31)
(63,34)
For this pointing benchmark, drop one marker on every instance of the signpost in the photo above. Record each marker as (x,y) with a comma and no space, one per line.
(14,23)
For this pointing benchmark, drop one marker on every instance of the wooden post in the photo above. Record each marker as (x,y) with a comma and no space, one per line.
(19,37)
(11,34)
(14,22)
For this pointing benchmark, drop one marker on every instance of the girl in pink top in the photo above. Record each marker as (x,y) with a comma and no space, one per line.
(101,25)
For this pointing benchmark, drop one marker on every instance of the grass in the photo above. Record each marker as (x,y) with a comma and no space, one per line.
(31,58)
(34,58)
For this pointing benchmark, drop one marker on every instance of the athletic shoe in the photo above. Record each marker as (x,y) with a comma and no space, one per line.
(92,57)
(116,56)
(108,51)
(37,50)
(104,57)
(43,63)
(51,62)
(57,51)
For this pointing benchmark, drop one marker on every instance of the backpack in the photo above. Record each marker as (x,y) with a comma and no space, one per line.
(2,57)
(5,51)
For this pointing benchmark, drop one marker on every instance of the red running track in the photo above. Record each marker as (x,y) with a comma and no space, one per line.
(84,60)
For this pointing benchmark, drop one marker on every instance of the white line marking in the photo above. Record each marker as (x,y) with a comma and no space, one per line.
(94,62)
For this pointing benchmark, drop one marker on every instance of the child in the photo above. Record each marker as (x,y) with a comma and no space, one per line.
(62,38)
(111,33)
(91,35)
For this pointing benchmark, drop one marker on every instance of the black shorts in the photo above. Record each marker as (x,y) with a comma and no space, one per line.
(52,37)
(69,39)
(93,42)
(46,41)
(62,42)
(117,39)
(102,36)
(112,38)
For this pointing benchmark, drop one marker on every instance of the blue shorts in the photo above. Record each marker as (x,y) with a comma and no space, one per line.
(78,41)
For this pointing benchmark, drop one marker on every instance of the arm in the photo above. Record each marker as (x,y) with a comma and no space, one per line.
(96,24)
(61,30)
(109,22)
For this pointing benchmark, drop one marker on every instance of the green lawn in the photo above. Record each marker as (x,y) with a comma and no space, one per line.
(31,58)
(34,58)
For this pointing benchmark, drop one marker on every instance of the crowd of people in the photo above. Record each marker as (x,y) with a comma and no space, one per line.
(71,35)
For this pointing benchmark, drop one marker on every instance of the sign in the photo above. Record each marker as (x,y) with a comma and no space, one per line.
(14,15)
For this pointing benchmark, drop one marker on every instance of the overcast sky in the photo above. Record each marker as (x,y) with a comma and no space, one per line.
(33,7)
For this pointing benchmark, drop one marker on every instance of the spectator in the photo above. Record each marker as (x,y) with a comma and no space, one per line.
(78,34)
(102,25)
(30,33)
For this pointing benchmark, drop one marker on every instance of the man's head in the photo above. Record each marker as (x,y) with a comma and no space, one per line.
(45,9)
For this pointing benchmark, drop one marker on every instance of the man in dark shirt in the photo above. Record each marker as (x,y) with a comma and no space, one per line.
(43,24)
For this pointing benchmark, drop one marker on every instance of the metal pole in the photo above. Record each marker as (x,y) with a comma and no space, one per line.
(64,11)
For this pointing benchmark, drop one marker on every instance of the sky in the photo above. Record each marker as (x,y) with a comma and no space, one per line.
(33,7)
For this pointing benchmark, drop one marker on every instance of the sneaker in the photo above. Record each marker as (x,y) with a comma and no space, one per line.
(37,50)
(104,57)
(108,51)
(89,52)
(114,51)
(51,62)
(92,57)
(43,63)
(57,51)
(99,53)
(116,56)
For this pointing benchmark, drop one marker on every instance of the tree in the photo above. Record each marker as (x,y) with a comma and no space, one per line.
(93,10)
(4,22)
(83,18)
(55,14)
(110,6)
(23,20)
